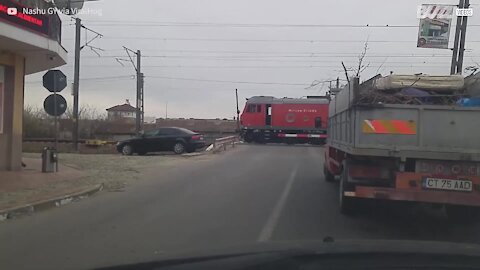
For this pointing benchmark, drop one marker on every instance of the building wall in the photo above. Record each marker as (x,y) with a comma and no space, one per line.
(13,67)
(117,114)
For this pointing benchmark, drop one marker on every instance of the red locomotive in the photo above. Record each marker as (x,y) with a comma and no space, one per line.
(290,120)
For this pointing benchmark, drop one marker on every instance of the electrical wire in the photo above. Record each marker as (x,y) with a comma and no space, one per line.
(257,58)
(224,81)
(392,64)
(120,23)
(130,77)
(263,40)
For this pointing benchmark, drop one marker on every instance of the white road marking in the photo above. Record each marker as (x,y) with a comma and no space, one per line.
(272,221)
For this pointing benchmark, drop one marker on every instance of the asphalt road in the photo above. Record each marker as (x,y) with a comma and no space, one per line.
(252,194)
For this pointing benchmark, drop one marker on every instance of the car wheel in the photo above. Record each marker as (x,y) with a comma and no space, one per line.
(127,150)
(347,204)
(179,148)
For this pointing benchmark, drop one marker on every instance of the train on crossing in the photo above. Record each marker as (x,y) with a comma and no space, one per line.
(285,120)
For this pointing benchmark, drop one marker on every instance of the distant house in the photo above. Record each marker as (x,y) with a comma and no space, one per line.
(149,119)
(124,111)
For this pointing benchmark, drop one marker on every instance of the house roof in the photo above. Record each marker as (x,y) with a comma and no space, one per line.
(122,108)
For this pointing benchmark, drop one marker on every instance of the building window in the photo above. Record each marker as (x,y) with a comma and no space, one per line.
(2,97)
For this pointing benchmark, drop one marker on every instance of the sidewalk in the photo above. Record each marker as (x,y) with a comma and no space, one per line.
(31,185)
(79,176)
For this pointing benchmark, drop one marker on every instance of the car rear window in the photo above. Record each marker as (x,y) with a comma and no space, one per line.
(185,131)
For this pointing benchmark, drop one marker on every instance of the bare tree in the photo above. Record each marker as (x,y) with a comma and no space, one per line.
(361,65)
(86,112)
(36,123)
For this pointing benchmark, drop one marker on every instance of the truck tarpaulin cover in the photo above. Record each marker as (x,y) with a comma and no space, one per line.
(434,29)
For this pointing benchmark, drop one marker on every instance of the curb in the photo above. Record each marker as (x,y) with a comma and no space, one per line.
(10,213)
(195,154)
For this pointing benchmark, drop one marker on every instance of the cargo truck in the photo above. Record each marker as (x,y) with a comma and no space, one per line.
(416,149)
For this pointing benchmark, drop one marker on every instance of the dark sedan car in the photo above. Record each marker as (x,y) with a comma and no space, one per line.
(178,140)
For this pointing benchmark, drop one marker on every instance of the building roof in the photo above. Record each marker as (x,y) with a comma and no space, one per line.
(273,100)
(122,108)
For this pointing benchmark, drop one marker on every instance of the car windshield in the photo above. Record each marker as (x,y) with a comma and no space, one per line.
(142,130)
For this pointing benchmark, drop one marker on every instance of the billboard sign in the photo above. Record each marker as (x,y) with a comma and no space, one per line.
(435,23)
(25,17)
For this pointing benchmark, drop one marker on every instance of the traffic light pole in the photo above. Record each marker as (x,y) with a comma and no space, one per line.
(55,112)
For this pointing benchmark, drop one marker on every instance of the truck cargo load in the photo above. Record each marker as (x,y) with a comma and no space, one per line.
(420,148)
(427,82)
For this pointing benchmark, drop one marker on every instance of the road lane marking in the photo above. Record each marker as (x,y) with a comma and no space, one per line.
(272,221)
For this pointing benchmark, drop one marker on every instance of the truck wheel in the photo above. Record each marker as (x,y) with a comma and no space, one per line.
(248,137)
(347,204)
(462,213)
(329,177)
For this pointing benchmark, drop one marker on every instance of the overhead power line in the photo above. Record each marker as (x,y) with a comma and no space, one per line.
(261,40)
(272,57)
(224,81)
(120,23)
(387,64)
(130,77)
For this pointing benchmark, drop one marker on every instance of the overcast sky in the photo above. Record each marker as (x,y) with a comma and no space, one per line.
(282,45)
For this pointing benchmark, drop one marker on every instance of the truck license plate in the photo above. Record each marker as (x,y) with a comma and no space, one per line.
(447,184)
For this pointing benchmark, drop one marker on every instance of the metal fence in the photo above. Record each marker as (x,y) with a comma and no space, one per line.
(222,143)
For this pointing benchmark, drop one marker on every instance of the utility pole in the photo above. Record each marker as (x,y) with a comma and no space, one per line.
(76,81)
(140,109)
(139,118)
(238,111)
(76,74)
(460,35)
(463,35)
